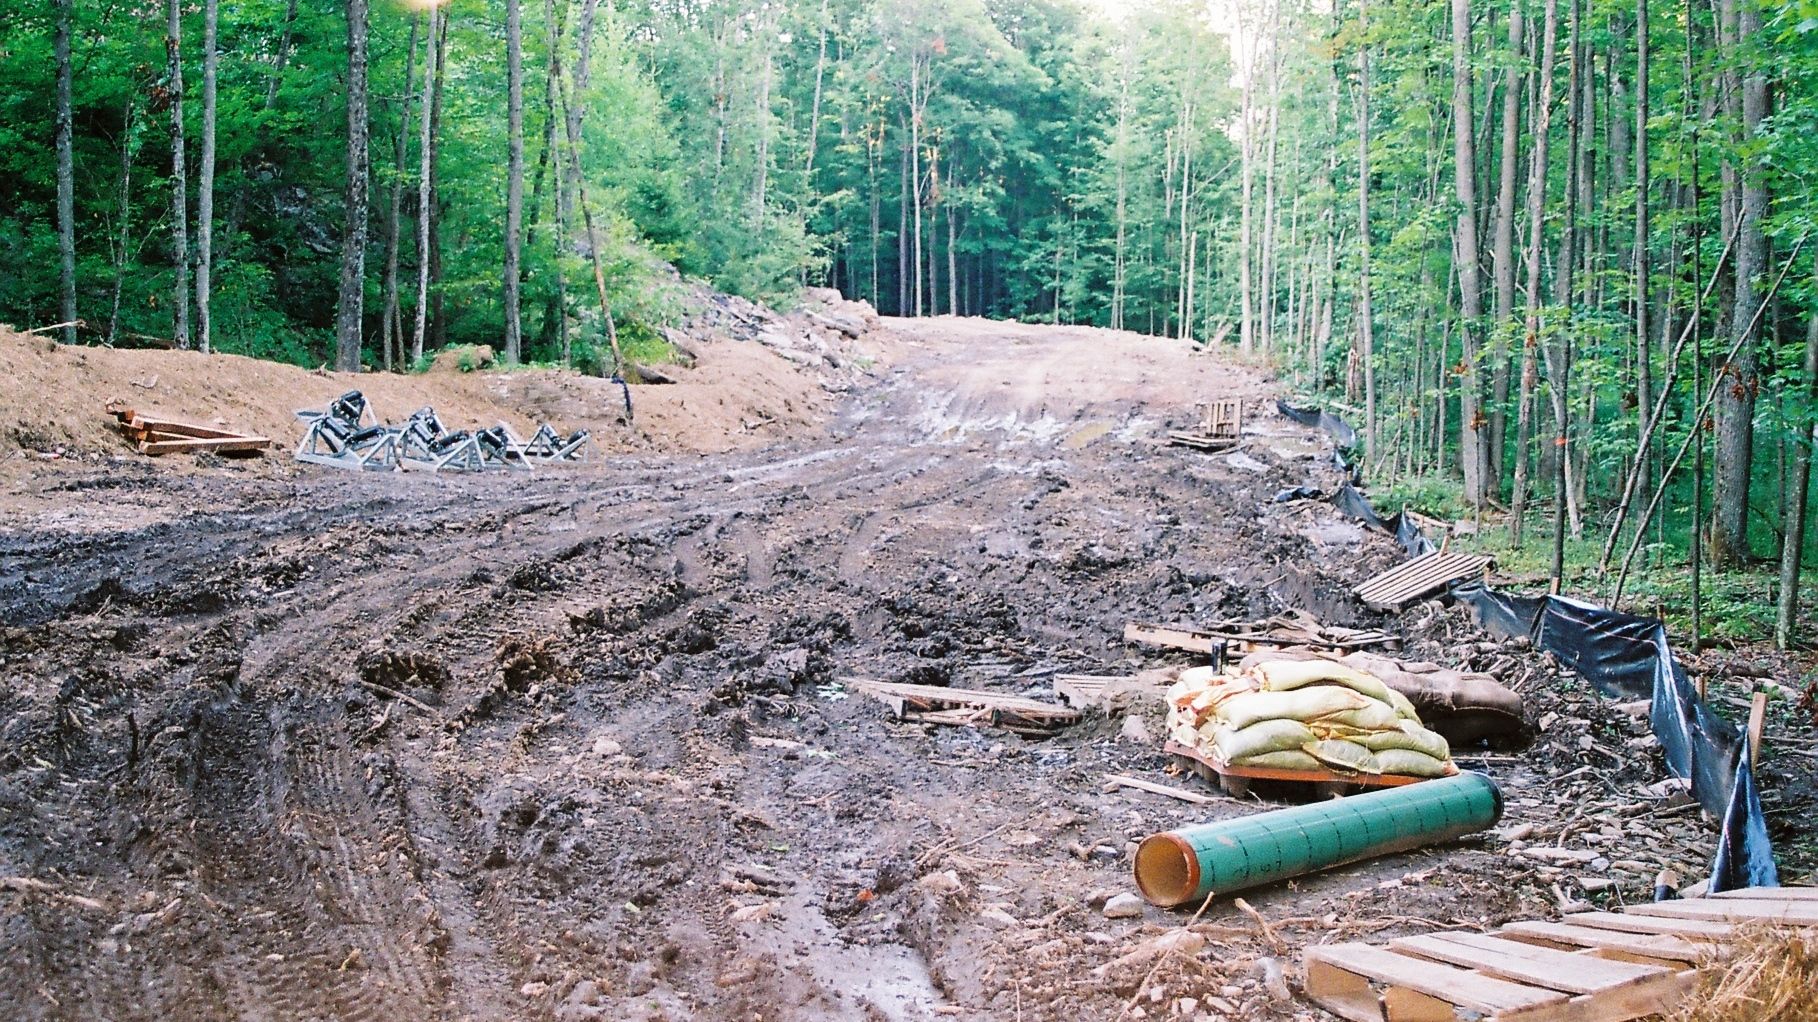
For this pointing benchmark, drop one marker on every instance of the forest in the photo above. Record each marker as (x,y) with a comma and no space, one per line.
(1551,257)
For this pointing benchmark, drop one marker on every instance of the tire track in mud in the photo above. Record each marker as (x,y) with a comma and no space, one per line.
(489,863)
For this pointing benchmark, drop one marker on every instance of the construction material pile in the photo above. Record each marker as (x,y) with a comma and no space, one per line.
(1313,715)
(340,436)
(153,435)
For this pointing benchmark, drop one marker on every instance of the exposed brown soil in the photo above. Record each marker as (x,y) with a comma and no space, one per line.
(736,392)
(628,782)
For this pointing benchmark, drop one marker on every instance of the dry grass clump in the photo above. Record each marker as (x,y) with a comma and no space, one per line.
(1771,977)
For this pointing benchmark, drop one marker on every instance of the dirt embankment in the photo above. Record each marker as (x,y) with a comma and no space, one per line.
(749,376)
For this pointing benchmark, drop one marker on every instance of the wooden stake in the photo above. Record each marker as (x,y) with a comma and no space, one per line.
(1757,718)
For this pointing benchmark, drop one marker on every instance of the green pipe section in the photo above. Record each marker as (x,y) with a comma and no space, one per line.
(1185,866)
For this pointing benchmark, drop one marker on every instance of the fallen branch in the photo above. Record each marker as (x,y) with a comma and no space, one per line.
(395,694)
(78,324)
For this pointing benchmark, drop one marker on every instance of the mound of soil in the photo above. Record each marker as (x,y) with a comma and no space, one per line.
(731,394)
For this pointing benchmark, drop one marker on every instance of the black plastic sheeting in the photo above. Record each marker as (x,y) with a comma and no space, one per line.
(1619,654)
(1625,655)
(1352,501)
(1338,429)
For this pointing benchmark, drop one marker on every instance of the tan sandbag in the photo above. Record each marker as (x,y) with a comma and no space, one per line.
(1463,707)
(1293,759)
(1258,739)
(1200,677)
(1304,704)
(1344,756)
(1287,675)
(1376,716)
(1409,763)
(1407,735)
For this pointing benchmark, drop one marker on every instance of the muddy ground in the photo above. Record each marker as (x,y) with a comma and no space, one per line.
(578,746)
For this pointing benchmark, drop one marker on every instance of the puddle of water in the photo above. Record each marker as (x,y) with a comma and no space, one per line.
(1086,434)
(889,978)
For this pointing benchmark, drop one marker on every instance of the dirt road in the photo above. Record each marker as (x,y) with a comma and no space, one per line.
(576,746)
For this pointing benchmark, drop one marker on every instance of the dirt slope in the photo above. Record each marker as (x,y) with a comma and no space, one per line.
(737,393)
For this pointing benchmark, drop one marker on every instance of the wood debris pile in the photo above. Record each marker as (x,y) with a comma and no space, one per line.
(152,435)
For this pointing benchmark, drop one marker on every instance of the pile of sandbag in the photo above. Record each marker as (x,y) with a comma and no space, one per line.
(1465,707)
(1303,715)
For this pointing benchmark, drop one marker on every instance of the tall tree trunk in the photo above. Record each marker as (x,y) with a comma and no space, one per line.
(425,196)
(1120,266)
(814,111)
(1366,328)
(1537,194)
(1736,400)
(1644,370)
(1792,547)
(916,91)
(438,299)
(1502,255)
(66,173)
(1184,298)
(129,148)
(1559,354)
(391,331)
(514,177)
(760,192)
(205,186)
(1246,288)
(179,191)
(1265,305)
(953,306)
(903,269)
(555,316)
(1472,426)
(350,309)
(572,117)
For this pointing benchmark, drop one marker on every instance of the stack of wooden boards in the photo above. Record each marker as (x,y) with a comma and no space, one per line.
(1411,580)
(153,435)
(1588,967)
(1317,718)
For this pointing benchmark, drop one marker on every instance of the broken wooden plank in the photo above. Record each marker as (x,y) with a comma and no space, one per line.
(1661,945)
(1204,443)
(188,429)
(1193,640)
(933,704)
(1770,893)
(1733,910)
(1115,781)
(249,443)
(1698,928)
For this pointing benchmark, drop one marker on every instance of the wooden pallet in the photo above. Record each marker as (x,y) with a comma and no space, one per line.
(1222,419)
(961,707)
(1588,967)
(1411,580)
(1200,441)
(152,435)
(1235,778)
